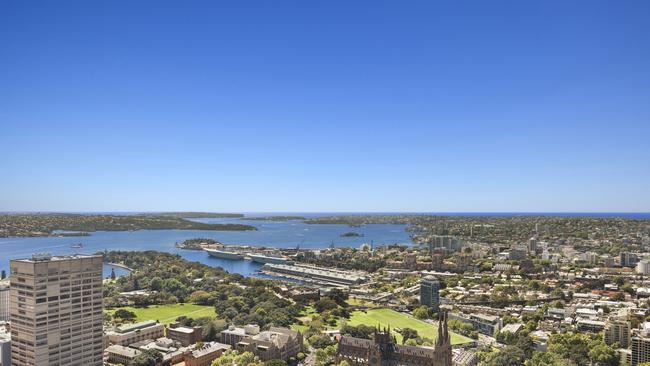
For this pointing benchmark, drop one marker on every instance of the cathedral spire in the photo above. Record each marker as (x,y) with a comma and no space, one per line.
(440,333)
(445,328)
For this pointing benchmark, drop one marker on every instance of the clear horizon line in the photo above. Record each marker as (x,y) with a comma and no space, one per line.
(320,212)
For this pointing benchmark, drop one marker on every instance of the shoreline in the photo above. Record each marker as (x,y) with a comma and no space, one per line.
(117,265)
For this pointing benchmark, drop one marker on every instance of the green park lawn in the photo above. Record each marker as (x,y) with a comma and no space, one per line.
(386,317)
(168,313)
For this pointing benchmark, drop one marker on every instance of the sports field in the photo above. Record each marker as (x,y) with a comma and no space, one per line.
(386,317)
(168,313)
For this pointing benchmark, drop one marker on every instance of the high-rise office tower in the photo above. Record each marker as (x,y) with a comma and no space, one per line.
(430,292)
(532,245)
(628,259)
(4,301)
(447,242)
(56,310)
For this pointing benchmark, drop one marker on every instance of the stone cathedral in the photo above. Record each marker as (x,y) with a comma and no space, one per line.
(383,350)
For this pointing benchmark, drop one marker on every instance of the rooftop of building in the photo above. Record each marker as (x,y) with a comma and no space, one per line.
(47,257)
(209,348)
(249,329)
(275,335)
(123,351)
(135,326)
(591,322)
(185,330)
(418,351)
(312,270)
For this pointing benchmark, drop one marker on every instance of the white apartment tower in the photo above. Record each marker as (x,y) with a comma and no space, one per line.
(4,301)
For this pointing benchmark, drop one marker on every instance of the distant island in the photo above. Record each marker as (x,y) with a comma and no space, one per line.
(196,243)
(350,234)
(200,215)
(65,234)
(32,225)
(359,220)
(276,218)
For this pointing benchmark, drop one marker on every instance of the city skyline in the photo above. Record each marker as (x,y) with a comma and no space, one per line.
(338,107)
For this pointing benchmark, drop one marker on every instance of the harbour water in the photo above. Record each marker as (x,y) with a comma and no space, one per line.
(279,234)
(119,271)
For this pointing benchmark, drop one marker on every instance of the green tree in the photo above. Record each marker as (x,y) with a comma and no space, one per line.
(548,359)
(570,346)
(508,356)
(601,354)
(124,314)
(156,284)
(150,357)
(325,304)
(339,296)
(200,297)
(408,333)
(275,363)
(421,313)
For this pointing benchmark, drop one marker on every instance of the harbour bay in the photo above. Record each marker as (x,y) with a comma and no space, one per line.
(278,234)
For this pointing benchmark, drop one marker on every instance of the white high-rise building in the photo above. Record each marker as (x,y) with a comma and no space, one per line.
(532,245)
(4,301)
(643,267)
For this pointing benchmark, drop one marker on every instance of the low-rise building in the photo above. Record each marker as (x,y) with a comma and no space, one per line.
(120,354)
(127,334)
(463,357)
(513,328)
(485,324)
(184,335)
(329,276)
(275,343)
(205,355)
(234,335)
(517,253)
(556,313)
(588,325)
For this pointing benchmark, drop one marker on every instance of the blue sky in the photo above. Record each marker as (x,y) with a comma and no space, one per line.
(325,106)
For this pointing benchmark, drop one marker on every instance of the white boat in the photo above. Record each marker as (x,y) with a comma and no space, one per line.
(224,254)
(269,258)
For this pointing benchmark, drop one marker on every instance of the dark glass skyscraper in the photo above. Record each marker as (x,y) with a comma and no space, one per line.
(430,292)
